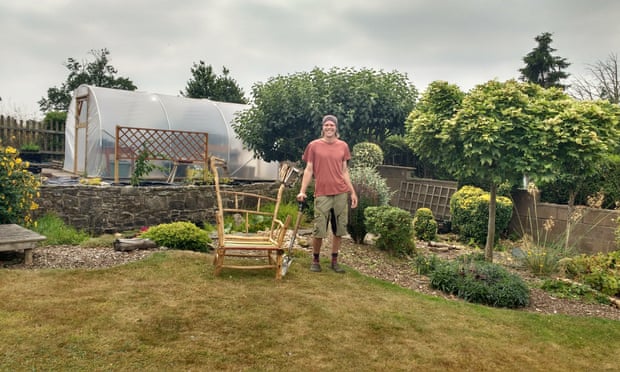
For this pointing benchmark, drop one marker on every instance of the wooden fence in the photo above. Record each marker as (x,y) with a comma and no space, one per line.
(48,136)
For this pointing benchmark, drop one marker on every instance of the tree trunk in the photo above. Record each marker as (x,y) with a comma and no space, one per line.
(133,244)
(571,207)
(488,249)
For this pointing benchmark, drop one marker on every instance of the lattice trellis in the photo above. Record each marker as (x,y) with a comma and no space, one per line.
(162,144)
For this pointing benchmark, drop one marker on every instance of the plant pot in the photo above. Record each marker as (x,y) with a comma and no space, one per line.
(31,156)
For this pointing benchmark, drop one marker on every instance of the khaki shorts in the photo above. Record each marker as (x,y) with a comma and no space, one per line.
(334,209)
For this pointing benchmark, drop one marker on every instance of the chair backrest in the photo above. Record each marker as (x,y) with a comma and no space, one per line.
(245,205)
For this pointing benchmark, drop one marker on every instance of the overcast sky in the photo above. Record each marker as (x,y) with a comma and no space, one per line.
(155,42)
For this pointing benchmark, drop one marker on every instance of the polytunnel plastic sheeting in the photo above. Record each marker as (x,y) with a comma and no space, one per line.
(104,108)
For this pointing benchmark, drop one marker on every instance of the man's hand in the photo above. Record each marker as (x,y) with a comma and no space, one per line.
(353,201)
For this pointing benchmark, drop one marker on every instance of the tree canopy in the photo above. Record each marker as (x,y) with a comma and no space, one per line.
(206,84)
(501,131)
(543,68)
(602,82)
(98,73)
(286,115)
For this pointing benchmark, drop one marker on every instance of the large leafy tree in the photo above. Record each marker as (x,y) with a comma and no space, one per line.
(97,72)
(370,106)
(542,67)
(206,84)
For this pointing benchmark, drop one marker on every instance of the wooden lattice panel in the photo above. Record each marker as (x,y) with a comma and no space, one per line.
(421,193)
(162,144)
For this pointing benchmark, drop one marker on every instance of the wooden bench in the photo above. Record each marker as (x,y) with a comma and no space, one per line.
(16,238)
(257,250)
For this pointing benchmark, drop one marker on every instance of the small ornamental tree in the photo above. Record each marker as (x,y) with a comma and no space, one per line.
(496,133)
(19,189)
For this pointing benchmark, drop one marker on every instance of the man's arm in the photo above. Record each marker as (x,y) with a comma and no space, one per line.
(347,180)
(305,181)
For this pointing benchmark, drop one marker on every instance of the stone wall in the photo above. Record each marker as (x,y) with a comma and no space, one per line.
(593,230)
(110,209)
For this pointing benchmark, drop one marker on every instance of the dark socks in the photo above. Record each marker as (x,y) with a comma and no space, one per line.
(316,257)
(334,258)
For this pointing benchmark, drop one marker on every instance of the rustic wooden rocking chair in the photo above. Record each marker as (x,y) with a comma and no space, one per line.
(263,249)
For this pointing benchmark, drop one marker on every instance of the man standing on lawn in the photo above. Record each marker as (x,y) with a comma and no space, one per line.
(326,160)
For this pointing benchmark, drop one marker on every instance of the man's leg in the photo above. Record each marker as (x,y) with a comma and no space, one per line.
(316,252)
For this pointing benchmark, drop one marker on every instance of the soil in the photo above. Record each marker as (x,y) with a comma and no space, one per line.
(363,258)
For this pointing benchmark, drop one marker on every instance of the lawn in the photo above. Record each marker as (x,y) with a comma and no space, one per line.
(169,313)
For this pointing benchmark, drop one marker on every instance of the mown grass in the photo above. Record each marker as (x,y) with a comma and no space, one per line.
(169,313)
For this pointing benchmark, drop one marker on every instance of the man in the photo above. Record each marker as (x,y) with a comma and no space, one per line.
(326,160)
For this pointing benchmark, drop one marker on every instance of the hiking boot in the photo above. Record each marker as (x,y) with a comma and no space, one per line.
(337,268)
(316,267)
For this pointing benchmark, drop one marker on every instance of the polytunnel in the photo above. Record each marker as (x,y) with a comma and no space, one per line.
(95,113)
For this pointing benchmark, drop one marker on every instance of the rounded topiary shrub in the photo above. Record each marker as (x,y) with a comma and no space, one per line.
(366,154)
(179,235)
(424,224)
(481,282)
(469,209)
(393,227)
(372,190)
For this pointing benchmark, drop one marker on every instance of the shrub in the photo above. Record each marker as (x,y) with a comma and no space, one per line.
(366,154)
(605,180)
(424,224)
(469,207)
(425,265)
(481,282)
(57,232)
(19,188)
(600,271)
(179,235)
(372,190)
(583,292)
(394,228)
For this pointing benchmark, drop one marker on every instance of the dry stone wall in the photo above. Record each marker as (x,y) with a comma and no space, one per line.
(110,209)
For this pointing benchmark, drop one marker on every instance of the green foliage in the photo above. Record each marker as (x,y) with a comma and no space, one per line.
(481,282)
(428,124)
(98,73)
(205,84)
(424,224)
(372,190)
(576,291)
(179,235)
(142,166)
(600,271)
(424,265)
(469,208)
(287,111)
(605,179)
(57,232)
(366,154)
(543,68)
(29,147)
(394,228)
(397,152)
(19,188)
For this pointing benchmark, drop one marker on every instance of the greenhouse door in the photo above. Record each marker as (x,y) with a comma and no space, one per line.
(81,135)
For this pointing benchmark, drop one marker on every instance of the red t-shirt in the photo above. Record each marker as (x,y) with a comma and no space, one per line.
(326,159)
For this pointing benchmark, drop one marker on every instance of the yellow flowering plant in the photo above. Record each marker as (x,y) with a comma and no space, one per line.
(19,188)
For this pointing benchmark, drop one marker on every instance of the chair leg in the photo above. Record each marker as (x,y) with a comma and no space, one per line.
(279,261)
(218,261)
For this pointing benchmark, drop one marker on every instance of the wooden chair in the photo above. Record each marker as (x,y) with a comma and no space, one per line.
(263,250)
